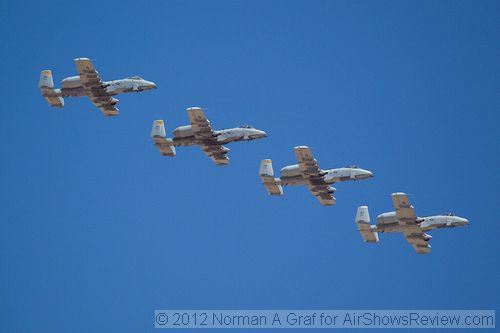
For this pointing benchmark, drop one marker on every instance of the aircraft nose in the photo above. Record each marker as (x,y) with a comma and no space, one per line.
(363,174)
(258,134)
(460,221)
(149,85)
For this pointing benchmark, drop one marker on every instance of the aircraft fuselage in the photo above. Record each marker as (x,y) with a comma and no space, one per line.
(72,87)
(388,222)
(291,175)
(183,136)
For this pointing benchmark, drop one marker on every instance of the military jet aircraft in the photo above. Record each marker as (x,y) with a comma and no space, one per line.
(308,173)
(406,221)
(200,133)
(88,83)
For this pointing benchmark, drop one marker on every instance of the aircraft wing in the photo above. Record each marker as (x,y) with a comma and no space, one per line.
(203,132)
(416,237)
(200,124)
(217,153)
(323,193)
(92,83)
(407,217)
(404,210)
(307,163)
(310,170)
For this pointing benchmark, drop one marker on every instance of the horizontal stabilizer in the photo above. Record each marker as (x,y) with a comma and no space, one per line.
(51,95)
(164,144)
(266,174)
(368,231)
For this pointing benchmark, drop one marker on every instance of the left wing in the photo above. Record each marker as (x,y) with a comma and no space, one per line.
(92,83)
(204,133)
(404,210)
(407,217)
(418,240)
(310,170)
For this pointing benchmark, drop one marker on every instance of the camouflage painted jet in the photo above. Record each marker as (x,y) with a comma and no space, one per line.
(200,133)
(404,220)
(307,172)
(88,83)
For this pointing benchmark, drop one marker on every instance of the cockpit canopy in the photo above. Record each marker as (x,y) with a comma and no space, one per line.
(352,166)
(135,78)
(246,126)
(450,214)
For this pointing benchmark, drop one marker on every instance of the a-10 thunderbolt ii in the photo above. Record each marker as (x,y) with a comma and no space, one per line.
(404,220)
(88,83)
(307,172)
(200,133)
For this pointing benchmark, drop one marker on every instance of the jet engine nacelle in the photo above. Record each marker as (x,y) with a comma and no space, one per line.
(387,218)
(427,237)
(290,171)
(183,131)
(71,82)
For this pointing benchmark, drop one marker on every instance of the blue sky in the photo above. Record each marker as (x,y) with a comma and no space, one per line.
(98,230)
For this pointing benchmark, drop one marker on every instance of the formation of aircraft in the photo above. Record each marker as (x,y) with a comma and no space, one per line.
(200,133)
(88,83)
(404,219)
(307,172)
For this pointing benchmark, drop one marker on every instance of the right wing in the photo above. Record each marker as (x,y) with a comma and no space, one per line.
(310,170)
(323,193)
(92,83)
(418,240)
(404,210)
(217,153)
(204,133)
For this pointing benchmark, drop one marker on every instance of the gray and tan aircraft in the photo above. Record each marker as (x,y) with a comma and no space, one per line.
(404,220)
(88,83)
(307,172)
(200,133)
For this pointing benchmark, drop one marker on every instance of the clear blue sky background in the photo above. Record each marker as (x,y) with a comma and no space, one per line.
(98,230)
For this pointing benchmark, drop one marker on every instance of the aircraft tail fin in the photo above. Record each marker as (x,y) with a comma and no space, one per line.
(46,80)
(368,231)
(266,174)
(159,136)
(46,85)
